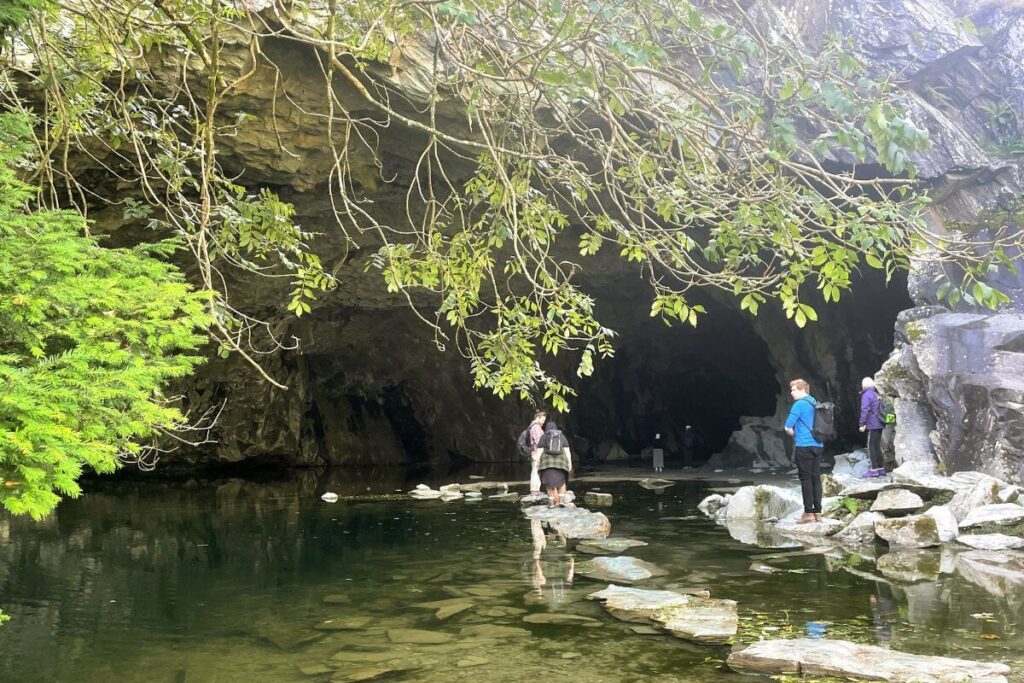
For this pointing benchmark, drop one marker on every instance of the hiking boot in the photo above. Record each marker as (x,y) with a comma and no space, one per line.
(806,518)
(817,517)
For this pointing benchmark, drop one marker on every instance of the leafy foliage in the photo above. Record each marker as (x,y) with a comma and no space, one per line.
(88,338)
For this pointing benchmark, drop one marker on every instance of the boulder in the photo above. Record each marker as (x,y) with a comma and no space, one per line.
(572,522)
(608,545)
(703,620)
(991,541)
(714,504)
(855,464)
(984,491)
(826,657)
(621,569)
(861,529)
(763,502)
(924,475)
(636,604)
(996,514)
(596,498)
(945,522)
(897,502)
(915,531)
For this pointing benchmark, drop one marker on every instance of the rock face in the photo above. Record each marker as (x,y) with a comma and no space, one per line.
(823,657)
(368,385)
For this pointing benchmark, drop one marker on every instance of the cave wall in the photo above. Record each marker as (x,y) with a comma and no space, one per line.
(369,385)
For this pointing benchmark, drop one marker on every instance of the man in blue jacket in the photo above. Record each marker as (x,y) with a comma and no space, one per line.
(808,449)
(872,423)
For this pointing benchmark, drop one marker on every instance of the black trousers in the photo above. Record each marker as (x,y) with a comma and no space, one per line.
(875,448)
(808,467)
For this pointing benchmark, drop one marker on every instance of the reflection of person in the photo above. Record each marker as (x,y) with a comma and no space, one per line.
(871,422)
(536,431)
(808,449)
(883,615)
(555,461)
(539,543)
(689,447)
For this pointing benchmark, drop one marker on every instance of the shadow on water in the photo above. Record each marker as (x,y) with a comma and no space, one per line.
(231,580)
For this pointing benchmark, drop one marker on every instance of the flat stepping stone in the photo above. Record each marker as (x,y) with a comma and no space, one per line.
(997,513)
(574,523)
(825,657)
(561,619)
(441,604)
(595,498)
(451,610)
(826,527)
(991,541)
(608,545)
(702,620)
(897,502)
(656,484)
(418,636)
(621,569)
(636,604)
(511,496)
(356,623)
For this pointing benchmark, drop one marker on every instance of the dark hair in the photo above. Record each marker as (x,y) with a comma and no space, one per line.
(538,413)
(550,425)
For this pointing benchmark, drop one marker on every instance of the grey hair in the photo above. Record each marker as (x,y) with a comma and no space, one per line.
(867,383)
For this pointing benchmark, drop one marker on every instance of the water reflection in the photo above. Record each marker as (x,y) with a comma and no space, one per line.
(260,581)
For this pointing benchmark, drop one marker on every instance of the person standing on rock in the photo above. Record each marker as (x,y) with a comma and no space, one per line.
(536,432)
(808,450)
(554,461)
(871,422)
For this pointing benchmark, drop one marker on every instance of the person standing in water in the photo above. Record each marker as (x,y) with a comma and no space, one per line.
(554,460)
(808,449)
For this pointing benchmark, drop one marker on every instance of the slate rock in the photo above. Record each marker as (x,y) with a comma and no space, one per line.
(997,513)
(622,569)
(897,502)
(636,604)
(991,541)
(608,545)
(702,620)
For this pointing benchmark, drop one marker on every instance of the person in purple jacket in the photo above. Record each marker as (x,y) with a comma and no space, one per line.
(871,422)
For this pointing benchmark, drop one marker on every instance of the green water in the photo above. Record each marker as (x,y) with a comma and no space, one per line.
(227,580)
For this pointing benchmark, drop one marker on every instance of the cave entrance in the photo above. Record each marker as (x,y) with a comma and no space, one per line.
(663,379)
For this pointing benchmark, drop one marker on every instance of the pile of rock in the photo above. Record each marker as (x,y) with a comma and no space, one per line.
(915,508)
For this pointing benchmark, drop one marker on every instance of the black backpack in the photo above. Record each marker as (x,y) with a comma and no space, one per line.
(523,444)
(554,442)
(824,427)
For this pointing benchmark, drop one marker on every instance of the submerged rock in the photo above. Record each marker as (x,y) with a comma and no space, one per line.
(897,502)
(997,513)
(624,569)
(608,545)
(763,502)
(418,636)
(560,618)
(656,484)
(572,522)
(596,498)
(825,657)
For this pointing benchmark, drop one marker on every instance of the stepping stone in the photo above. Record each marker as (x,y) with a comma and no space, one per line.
(511,496)
(703,620)
(417,636)
(451,611)
(441,604)
(997,513)
(594,498)
(991,541)
(825,657)
(826,527)
(608,545)
(656,484)
(572,522)
(623,569)
(897,502)
(636,604)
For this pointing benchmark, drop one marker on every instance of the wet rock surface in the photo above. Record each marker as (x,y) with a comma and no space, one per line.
(608,545)
(572,522)
(621,569)
(823,657)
